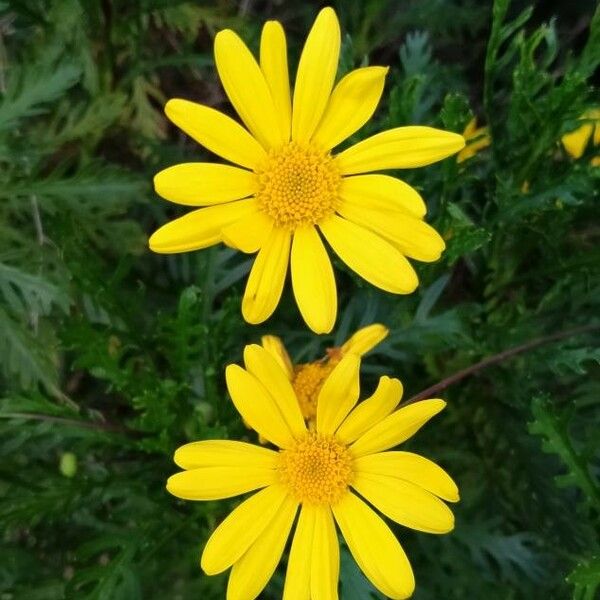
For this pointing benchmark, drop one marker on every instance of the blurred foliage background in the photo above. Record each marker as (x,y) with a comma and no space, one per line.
(111,356)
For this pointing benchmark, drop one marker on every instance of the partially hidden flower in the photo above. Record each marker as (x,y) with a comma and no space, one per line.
(477,138)
(575,142)
(288,189)
(342,472)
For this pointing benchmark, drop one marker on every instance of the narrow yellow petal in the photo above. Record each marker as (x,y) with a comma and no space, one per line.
(203,184)
(297,577)
(251,573)
(249,233)
(397,427)
(216,132)
(266,369)
(365,339)
(316,74)
(325,557)
(374,547)
(410,467)
(339,394)
(224,453)
(257,406)
(274,345)
(384,193)
(267,277)
(413,237)
(400,148)
(246,88)
(576,141)
(369,255)
(274,65)
(241,528)
(371,411)
(352,103)
(200,228)
(313,280)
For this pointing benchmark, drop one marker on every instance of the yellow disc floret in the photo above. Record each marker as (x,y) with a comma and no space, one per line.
(317,469)
(298,185)
(307,383)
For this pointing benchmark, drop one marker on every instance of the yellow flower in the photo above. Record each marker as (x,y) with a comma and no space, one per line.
(307,378)
(288,189)
(576,141)
(325,475)
(477,139)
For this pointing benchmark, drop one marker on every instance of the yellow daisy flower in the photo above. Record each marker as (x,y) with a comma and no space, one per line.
(288,189)
(477,139)
(576,141)
(325,476)
(307,378)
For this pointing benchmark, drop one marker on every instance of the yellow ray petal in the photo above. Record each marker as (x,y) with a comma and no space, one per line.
(411,467)
(224,453)
(313,280)
(352,103)
(397,427)
(241,529)
(316,74)
(251,573)
(297,578)
(384,193)
(325,557)
(399,148)
(372,257)
(246,88)
(249,233)
(200,228)
(365,339)
(266,369)
(216,131)
(371,411)
(257,406)
(274,65)
(374,547)
(267,277)
(203,184)
(338,394)
(411,236)
(274,345)
(576,141)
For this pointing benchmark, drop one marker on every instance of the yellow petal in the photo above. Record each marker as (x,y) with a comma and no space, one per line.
(200,228)
(251,573)
(249,233)
(352,103)
(257,406)
(397,427)
(371,411)
(266,369)
(365,339)
(274,65)
(224,453)
(267,277)
(338,394)
(325,557)
(203,184)
(374,547)
(470,128)
(576,141)
(214,483)
(384,193)
(216,132)
(410,467)
(246,88)
(370,256)
(241,529)
(316,74)
(313,280)
(274,345)
(297,577)
(400,148)
(413,237)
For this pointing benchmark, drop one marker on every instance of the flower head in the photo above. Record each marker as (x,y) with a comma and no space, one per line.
(477,139)
(576,141)
(288,190)
(315,479)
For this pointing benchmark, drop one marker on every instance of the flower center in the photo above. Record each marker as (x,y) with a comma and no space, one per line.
(317,469)
(298,186)
(307,383)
